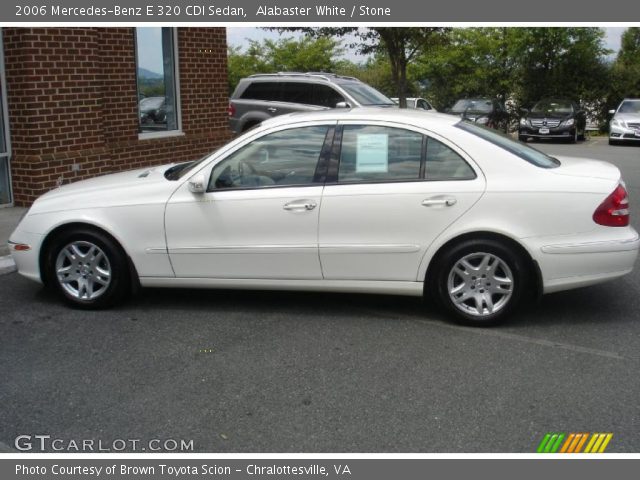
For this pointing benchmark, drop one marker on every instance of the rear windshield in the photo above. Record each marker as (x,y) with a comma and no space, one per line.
(519,149)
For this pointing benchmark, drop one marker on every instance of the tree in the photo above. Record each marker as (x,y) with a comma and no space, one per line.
(286,54)
(399,44)
(625,71)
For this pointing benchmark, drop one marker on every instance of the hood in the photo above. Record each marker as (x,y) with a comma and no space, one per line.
(586,167)
(627,117)
(542,115)
(124,188)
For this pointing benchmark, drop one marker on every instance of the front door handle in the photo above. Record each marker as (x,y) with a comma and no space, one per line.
(272,109)
(439,202)
(304,205)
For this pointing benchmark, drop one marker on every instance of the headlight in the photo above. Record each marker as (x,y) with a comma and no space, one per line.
(482,120)
(523,121)
(617,123)
(568,123)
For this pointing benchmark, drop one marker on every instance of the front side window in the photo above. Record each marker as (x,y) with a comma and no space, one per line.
(285,158)
(325,96)
(157,79)
(379,154)
(296,92)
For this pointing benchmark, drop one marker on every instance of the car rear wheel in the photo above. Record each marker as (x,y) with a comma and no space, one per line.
(87,269)
(480,282)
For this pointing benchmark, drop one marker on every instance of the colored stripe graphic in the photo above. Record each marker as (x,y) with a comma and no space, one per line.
(552,442)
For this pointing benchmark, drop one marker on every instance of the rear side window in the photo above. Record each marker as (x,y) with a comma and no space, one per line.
(373,153)
(442,163)
(262,91)
(519,149)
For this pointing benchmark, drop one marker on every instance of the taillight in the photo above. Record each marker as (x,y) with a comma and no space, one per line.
(614,211)
(231,109)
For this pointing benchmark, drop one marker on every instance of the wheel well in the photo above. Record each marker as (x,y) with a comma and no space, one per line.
(535,275)
(56,232)
(250,124)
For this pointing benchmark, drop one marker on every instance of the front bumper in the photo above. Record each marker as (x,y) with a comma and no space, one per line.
(27,261)
(557,132)
(624,133)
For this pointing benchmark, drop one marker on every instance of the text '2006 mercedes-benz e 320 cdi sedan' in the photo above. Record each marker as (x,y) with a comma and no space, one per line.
(362,200)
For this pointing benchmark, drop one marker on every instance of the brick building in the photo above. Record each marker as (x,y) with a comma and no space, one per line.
(81,102)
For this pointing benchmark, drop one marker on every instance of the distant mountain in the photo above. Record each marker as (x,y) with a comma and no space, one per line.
(148,74)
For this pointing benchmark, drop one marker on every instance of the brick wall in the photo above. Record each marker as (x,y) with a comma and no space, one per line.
(72,100)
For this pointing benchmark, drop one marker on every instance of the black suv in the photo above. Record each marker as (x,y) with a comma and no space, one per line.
(553,118)
(259,97)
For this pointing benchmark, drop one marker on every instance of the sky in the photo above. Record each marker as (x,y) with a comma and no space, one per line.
(150,56)
(238,36)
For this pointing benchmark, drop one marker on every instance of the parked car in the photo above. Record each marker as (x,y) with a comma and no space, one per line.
(362,200)
(259,97)
(625,124)
(153,110)
(553,118)
(417,103)
(483,111)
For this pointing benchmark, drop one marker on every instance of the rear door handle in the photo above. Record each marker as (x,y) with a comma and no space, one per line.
(272,109)
(305,205)
(439,202)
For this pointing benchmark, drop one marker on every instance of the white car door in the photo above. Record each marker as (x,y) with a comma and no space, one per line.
(390,192)
(259,216)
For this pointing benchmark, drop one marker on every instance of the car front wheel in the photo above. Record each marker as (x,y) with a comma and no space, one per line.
(88,269)
(480,282)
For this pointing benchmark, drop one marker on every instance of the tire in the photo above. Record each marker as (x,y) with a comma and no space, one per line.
(471,299)
(87,269)
(522,138)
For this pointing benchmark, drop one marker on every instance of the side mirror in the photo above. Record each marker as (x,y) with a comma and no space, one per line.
(197,184)
(342,105)
(611,112)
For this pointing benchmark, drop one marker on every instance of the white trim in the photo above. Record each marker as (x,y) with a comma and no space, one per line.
(5,117)
(177,132)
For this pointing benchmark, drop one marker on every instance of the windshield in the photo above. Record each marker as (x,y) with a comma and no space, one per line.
(630,106)
(481,105)
(552,106)
(519,149)
(366,95)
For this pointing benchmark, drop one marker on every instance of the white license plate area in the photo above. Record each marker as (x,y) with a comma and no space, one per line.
(544,131)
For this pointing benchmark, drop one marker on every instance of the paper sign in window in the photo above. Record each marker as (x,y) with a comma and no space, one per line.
(372,154)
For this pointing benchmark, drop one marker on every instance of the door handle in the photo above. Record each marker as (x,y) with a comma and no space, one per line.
(439,201)
(305,205)
(272,109)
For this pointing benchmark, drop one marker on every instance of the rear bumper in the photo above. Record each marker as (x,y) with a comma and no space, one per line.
(566,265)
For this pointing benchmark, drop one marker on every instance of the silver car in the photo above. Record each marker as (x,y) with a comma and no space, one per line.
(625,124)
(418,103)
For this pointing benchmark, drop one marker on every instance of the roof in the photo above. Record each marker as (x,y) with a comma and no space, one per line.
(389,114)
(327,77)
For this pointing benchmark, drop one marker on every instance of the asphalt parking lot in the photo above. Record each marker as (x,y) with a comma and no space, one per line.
(303,372)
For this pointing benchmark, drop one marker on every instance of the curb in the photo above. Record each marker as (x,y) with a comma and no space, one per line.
(7,265)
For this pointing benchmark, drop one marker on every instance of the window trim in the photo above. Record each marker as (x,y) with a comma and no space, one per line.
(7,130)
(176,75)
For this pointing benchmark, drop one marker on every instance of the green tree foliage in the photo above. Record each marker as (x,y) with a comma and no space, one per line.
(521,65)
(625,71)
(306,54)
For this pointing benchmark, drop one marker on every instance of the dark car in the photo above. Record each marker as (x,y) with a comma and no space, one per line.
(553,118)
(153,110)
(483,111)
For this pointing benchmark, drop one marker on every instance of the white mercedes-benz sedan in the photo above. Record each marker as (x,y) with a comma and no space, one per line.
(367,200)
